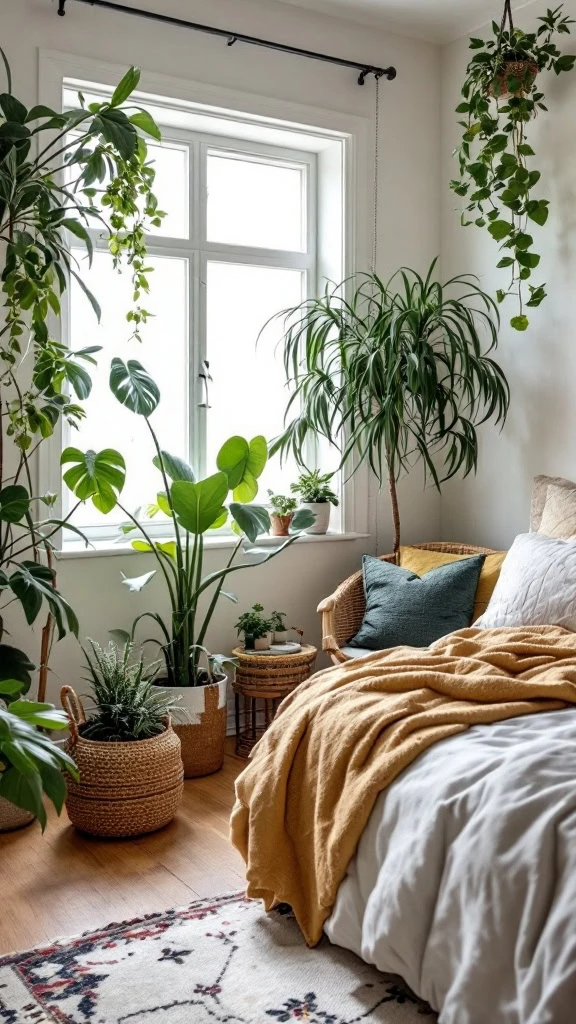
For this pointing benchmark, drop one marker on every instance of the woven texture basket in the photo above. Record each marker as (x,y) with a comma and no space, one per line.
(125,789)
(343,611)
(203,741)
(12,817)
(524,71)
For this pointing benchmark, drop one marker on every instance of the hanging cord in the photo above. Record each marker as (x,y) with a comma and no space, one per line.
(376,174)
(507,15)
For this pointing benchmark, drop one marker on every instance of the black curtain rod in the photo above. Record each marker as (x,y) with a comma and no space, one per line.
(238,37)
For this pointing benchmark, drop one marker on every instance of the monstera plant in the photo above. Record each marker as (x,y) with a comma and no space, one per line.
(192,507)
(59,174)
(501,95)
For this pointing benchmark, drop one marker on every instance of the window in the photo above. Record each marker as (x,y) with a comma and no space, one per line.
(238,245)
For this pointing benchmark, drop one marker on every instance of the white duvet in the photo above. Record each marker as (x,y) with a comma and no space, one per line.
(464,881)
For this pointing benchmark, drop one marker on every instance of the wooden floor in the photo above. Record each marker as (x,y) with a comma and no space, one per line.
(62,883)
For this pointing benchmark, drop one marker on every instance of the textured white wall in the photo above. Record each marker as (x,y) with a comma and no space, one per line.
(409,233)
(539,436)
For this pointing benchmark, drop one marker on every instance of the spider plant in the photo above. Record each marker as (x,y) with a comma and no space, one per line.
(399,371)
(128,706)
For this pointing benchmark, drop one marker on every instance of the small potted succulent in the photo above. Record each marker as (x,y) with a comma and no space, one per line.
(255,628)
(317,496)
(128,755)
(283,509)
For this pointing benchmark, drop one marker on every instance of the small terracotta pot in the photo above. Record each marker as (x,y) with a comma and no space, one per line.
(281,524)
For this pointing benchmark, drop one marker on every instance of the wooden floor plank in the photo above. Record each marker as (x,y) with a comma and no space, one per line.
(62,883)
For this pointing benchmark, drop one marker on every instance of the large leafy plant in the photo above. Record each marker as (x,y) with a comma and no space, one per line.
(398,372)
(60,173)
(501,95)
(31,765)
(194,507)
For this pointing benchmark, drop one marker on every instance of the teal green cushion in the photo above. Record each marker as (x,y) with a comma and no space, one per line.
(404,608)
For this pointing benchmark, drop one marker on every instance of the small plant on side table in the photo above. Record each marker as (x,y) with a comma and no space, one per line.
(255,629)
(317,496)
(283,509)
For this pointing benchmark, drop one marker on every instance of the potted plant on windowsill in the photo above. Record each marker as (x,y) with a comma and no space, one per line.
(255,629)
(193,508)
(316,494)
(131,773)
(283,509)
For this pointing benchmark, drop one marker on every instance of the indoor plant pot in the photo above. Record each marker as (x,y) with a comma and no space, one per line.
(200,724)
(12,817)
(517,67)
(321,509)
(280,525)
(125,788)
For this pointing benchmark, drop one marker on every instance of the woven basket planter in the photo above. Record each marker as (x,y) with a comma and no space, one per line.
(524,71)
(200,724)
(12,817)
(125,789)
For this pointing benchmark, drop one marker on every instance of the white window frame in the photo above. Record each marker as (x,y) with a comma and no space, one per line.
(349,132)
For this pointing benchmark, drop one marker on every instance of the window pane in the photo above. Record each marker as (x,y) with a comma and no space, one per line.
(171,188)
(249,394)
(164,354)
(254,203)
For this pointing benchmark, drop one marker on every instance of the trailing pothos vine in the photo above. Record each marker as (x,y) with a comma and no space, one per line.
(501,95)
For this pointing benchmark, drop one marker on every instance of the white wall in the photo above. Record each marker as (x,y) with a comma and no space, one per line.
(409,233)
(539,436)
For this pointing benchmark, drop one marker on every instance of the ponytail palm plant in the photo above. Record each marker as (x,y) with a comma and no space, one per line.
(398,371)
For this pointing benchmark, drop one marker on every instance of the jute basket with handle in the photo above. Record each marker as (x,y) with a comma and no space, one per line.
(126,788)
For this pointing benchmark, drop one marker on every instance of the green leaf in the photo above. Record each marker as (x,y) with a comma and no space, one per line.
(525,150)
(15,664)
(133,387)
(42,716)
(528,259)
(252,520)
(198,505)
(10,687)
(40,110)
(136,584)
(32,584)
(24,792)
(523,241)
(12,109)
(174,467)
(537,210)
(125,86)
(303,518)
(96,475)
(499,229)
(564,63)
(506,261)
(14,503)
(146,123)
(243,462)
(519,323)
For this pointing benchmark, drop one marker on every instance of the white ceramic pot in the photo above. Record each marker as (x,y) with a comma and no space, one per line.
(199,719)
(321,510)
(262,643)
(282,637)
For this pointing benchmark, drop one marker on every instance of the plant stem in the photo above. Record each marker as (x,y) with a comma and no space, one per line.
(395,511)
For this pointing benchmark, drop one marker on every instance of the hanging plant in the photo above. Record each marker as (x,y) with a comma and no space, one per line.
(501,95)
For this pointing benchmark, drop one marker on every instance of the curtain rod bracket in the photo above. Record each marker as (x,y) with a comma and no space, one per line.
(235,37)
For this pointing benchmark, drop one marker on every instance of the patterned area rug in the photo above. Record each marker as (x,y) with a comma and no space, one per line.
(219,961)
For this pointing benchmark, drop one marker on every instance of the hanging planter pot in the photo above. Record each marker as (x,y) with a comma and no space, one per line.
(515,78)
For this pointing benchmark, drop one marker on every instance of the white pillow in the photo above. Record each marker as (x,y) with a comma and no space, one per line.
(536,586)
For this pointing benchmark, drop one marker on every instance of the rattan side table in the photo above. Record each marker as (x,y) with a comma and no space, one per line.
(261,682)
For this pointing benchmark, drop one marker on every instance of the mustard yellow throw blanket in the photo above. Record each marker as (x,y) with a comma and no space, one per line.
(345,734)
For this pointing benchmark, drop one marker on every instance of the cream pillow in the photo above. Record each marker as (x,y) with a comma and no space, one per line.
(536,586)
(559,512)
(539,492)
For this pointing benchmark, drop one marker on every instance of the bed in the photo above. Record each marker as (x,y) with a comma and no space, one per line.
(464,881)
(416,807)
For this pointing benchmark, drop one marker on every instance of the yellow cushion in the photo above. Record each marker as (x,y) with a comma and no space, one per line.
(422,561)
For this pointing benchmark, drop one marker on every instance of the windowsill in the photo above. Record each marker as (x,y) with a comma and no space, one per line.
(105,549)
